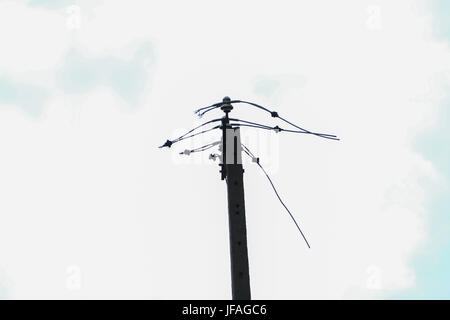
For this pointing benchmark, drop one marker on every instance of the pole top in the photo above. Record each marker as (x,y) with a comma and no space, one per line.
(226,105)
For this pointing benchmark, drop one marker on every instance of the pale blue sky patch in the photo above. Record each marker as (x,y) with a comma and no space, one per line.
(51,4)
(441,12)
(3,292)
(128,78)
(266,87)
(432,262)
(28,97)
(276,84)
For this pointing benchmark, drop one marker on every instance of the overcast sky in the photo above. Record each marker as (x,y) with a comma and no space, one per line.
(91,208)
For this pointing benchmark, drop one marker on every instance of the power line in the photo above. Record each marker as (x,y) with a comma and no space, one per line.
(200,149)
(169,143)
(256,160)
(202,111)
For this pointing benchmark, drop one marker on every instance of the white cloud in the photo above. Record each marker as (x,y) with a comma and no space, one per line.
(86,185)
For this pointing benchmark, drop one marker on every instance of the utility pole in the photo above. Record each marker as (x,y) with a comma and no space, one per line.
(233,172)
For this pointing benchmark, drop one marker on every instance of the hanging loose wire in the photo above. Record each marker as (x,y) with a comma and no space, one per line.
(255,159)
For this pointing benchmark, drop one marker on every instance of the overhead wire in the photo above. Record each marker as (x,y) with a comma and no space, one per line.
(202,111)
(169,143)
(251,155)
(201,149)
(244,123)
(278,129)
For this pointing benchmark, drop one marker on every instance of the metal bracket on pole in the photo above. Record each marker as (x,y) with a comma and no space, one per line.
(233,146)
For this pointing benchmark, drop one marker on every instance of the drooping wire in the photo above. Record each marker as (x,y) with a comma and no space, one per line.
(197,133)
(278,129)
(252,123)
(326,136)
(192,130)
(251,126)
(213,106)
(200,112)
(168,143)
(256,105)
(218,105)
(274,114)
(251,155)
(206,147)
(200,149)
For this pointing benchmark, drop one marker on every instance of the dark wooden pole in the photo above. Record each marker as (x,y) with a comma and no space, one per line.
(240,279)
(233,172)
